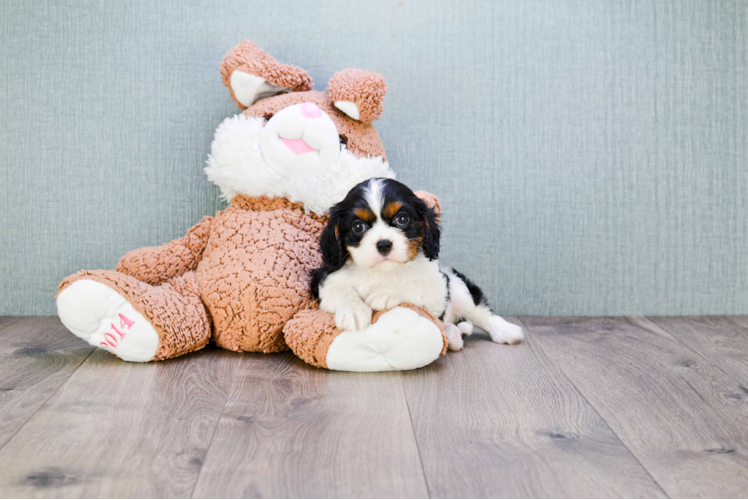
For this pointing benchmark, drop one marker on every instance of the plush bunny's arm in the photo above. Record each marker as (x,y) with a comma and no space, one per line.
(154,265)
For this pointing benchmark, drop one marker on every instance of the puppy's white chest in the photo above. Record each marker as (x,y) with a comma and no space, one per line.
(418,282)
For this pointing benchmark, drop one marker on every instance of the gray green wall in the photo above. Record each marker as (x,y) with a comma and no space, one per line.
(591,156)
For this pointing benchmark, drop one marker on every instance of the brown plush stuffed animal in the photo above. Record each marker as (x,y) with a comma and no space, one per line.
(241,278)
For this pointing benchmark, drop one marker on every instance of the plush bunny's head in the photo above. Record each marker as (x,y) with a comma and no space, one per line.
(291,141)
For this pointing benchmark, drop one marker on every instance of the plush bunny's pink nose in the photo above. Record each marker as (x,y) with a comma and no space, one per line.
(310,110)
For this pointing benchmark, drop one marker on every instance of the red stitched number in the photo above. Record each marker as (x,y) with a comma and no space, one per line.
(111,340)
(121,335)
(124,321)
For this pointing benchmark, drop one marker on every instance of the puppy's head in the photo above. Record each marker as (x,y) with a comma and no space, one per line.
(381,223)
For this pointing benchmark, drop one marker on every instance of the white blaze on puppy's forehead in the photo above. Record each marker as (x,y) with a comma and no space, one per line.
(374,196)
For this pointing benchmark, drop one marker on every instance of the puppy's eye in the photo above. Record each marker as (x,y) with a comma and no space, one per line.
(401,219)
(358,227)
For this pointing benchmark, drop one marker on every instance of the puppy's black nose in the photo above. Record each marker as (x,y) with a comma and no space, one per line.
(384,246)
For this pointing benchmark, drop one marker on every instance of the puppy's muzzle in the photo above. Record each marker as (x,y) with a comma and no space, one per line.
(384,247)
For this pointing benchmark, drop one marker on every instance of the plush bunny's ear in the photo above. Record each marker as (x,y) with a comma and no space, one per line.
(251,74)
(357,93)
(431,200)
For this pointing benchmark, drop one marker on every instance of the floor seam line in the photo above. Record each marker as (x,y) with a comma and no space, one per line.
(597,412)
(415,437)
(215,429)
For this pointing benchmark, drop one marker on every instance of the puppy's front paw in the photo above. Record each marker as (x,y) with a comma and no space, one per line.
(382,301)
(454,337)
(353,317)
(504,332)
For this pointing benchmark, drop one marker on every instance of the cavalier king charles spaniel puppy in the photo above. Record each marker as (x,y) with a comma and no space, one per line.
(380,249)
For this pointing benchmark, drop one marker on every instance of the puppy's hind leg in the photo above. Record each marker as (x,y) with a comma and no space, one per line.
(469,303)
(500,330)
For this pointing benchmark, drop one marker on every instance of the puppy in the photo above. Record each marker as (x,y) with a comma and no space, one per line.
(380,249)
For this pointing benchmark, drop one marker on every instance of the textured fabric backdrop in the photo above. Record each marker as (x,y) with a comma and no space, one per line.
(591,157)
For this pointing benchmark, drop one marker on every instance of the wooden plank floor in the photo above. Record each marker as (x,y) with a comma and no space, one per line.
(586,407)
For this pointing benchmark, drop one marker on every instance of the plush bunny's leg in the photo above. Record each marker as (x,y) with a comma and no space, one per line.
(134,320)
(402,338)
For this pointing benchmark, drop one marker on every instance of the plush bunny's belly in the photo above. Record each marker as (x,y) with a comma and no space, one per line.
(254,274)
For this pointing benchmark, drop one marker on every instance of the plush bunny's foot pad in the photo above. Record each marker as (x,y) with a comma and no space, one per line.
(402,338)
(103,318)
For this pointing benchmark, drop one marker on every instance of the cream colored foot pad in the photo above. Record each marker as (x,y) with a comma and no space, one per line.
(103,318)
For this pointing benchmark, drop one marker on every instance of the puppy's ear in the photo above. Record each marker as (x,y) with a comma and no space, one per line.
(334,252)
(431,233)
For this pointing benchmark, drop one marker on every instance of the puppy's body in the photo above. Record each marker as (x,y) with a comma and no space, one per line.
(380,250)
(418,282)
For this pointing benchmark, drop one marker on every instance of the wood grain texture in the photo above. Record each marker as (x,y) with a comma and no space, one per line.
(121,429)
(670,406)
(291,430)
(723,340)
(503,421)
(37,356)
(555,416)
